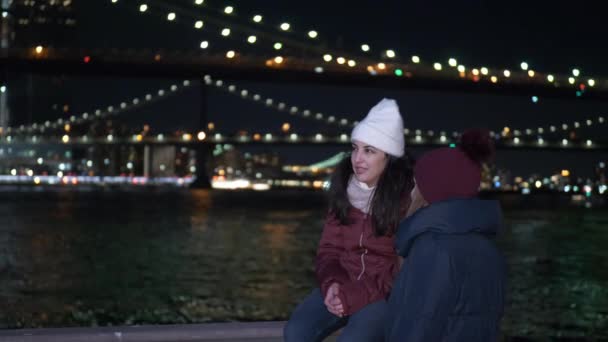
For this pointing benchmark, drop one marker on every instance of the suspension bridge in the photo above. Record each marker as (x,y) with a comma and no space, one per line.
(239,48)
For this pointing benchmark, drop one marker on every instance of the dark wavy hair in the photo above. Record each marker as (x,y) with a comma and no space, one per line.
(387,204)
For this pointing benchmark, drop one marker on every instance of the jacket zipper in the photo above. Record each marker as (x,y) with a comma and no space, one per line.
(362,256)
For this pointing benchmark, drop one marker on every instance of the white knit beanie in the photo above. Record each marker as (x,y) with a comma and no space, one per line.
(382,128)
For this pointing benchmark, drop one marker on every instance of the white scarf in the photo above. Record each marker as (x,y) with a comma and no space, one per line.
(360,195)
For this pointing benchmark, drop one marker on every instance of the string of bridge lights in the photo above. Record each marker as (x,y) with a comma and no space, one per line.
(269,138)
(293,110)
(271,103)
(124,107)
(418,134)
(495,75)
(346,123)
(506,131)
(189,138)
(253,34)
(101,113)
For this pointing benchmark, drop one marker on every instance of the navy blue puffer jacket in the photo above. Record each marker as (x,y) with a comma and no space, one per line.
(452,284)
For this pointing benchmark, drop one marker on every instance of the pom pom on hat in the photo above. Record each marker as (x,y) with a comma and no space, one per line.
(382,128)
(478,145)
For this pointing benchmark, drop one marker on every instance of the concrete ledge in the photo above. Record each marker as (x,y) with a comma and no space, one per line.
(208,332)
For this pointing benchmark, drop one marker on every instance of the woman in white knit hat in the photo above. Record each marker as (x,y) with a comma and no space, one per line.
(356,260)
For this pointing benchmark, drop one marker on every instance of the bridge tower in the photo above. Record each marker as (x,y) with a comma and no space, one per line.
(203,151)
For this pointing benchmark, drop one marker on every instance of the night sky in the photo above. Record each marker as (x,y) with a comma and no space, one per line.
(552,36)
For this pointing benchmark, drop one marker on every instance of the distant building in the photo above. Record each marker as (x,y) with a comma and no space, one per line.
(30,24)
(42,22)
(600,173)
(163,161)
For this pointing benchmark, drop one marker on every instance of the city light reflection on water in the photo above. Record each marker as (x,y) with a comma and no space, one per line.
(148,257)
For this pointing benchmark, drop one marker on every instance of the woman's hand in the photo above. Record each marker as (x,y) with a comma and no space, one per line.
(333,302)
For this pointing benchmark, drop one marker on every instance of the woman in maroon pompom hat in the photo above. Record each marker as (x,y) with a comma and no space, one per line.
(452,284)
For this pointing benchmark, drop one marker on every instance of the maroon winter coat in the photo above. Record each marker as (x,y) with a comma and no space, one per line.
(364,265)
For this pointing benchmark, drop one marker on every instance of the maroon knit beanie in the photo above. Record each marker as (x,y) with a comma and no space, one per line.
(448,173)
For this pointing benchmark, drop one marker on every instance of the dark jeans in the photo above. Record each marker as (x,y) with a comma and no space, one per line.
(311,322)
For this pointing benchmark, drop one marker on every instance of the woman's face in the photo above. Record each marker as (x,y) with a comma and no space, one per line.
(368,163)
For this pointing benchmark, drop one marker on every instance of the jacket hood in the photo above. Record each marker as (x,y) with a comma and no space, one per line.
(457,216)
